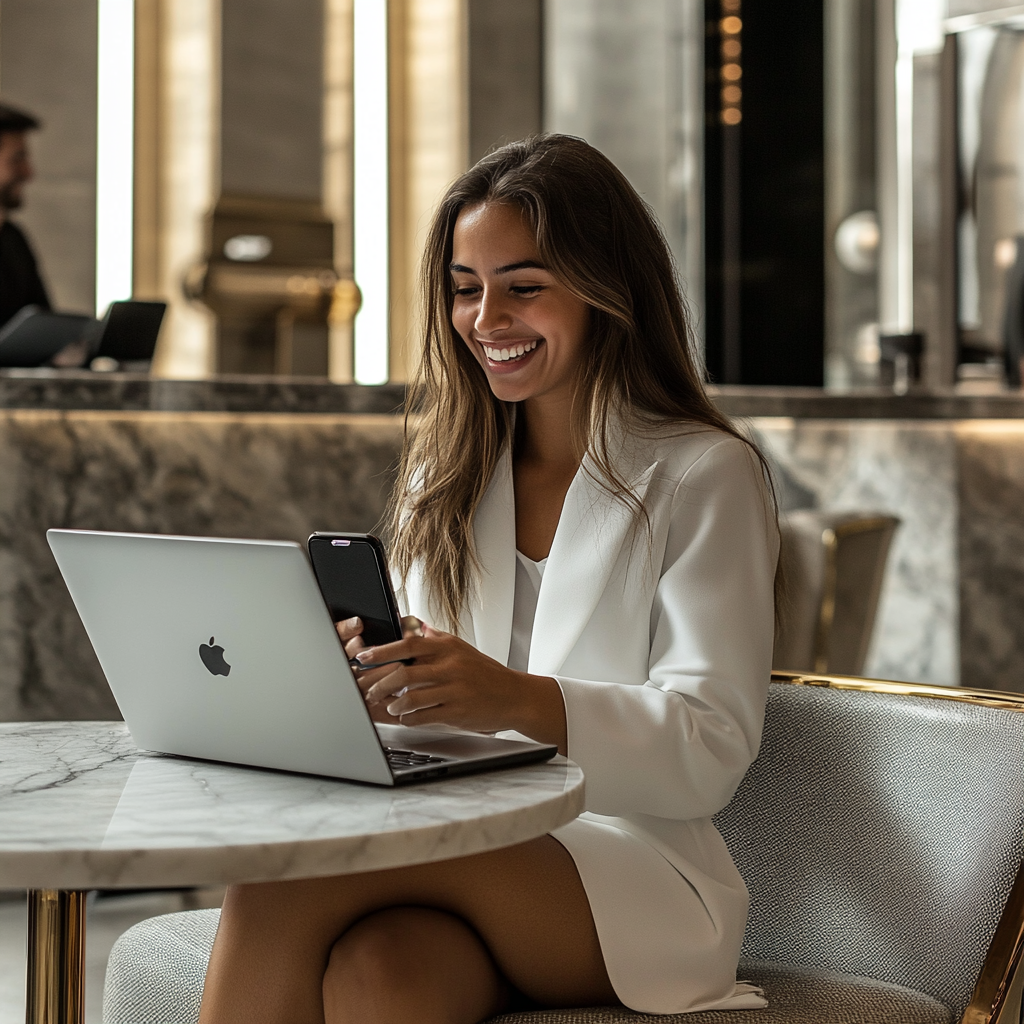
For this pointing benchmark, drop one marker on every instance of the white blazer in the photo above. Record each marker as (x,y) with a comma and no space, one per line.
(662,647)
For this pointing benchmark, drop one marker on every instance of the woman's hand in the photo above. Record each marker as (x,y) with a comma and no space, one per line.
(452,683)
(351,632)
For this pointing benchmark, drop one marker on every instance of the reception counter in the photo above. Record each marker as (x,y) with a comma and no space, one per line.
(122,452)
(279,458)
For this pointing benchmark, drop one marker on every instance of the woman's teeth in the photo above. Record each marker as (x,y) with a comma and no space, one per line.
(505,355)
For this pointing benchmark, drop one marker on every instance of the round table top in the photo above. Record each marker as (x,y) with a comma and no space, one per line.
(81,807)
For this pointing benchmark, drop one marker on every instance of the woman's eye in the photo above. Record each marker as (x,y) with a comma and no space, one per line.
(527,289)
(469,289)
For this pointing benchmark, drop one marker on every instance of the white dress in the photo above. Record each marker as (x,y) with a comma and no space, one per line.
(663,660)
(604,848)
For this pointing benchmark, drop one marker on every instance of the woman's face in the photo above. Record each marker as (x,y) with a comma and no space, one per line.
(524,327)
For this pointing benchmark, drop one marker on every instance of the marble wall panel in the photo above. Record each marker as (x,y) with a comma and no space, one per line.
(213,474)
(629,78)
(991,554)
(905,468)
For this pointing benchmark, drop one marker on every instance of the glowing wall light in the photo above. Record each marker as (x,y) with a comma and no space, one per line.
(115,138)
(731,28)
(370,188)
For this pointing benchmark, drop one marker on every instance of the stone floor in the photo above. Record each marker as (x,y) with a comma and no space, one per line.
(107,917)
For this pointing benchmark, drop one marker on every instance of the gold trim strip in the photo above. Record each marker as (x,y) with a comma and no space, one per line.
(996,995)
(985,698)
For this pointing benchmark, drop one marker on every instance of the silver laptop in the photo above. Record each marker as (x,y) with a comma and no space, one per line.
(224,650)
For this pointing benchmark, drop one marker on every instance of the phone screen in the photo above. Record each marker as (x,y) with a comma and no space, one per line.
(351,577)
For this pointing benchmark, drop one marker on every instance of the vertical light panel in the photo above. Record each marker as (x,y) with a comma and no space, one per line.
(370,188)
(114,150)
(904,191)
(918,32)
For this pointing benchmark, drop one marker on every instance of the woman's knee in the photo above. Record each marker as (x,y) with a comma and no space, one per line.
(410,956)
(391,946)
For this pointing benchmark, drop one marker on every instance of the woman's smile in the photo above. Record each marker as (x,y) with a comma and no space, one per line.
(508,355)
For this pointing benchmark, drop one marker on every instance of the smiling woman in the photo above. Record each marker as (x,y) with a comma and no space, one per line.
(600,547)
(522,324)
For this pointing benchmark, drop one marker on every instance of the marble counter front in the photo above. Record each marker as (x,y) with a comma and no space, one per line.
(263,475)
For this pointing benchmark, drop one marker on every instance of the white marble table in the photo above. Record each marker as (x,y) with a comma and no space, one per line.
(82,808)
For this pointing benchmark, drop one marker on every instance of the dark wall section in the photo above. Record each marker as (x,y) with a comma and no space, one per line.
(505,62)
(272,98)
(48,66)
(767,177)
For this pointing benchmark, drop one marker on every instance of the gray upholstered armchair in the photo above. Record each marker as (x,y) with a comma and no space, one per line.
(880,833)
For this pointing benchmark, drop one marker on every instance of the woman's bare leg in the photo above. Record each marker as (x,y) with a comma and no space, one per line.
(285,947)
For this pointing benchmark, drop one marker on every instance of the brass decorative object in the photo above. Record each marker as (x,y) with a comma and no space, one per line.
(269,277)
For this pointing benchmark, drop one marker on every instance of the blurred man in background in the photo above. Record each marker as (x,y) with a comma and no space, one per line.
(20,283)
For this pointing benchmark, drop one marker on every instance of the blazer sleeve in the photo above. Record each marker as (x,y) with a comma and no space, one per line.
(678,745)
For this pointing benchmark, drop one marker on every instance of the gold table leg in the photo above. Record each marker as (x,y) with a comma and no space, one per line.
(56,957)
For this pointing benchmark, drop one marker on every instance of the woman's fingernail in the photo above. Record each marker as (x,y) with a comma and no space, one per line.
(355,622)
(364,656)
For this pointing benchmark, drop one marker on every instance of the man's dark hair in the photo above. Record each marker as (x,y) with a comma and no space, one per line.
(14,120)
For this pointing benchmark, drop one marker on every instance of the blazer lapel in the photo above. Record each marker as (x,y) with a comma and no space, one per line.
(494,532)
(591,531)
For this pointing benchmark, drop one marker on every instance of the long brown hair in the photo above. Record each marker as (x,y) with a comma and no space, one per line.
(602,241)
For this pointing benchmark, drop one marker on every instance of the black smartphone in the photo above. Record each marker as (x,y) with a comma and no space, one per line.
(352,571)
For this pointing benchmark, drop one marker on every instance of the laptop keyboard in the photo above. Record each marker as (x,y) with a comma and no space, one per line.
(410,759)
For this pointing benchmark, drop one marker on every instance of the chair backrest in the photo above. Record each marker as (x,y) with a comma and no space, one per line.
(880,831)
(833,564)
(859,556)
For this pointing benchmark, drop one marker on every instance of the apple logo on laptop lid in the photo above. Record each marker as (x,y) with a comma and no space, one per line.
(212,656)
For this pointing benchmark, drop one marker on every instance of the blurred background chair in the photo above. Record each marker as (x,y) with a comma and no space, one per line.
(833,565)
(879,836)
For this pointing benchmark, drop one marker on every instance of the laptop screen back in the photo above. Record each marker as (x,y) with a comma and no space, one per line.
(130,330)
